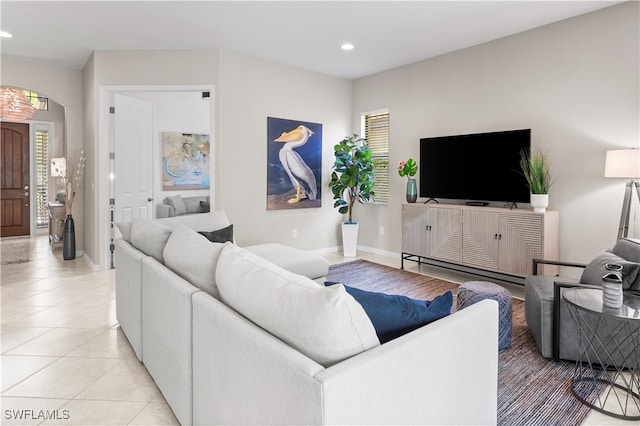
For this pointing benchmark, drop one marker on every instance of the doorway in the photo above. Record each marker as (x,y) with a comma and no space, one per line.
(15,176)
(132,119)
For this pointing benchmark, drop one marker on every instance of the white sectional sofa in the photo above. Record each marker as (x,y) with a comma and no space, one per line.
(231,338)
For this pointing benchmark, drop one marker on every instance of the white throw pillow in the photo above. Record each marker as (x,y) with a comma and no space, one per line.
(193,257)
(149,237)
(324,323)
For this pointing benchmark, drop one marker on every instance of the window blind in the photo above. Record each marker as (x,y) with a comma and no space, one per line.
(376,132)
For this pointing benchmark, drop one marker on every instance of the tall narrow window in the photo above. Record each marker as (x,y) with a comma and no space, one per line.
(42,177)
(375,127)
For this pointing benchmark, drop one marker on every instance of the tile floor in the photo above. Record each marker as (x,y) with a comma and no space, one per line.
(63,354)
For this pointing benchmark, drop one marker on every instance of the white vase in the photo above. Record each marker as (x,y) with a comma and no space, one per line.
(349,238)
(539,202)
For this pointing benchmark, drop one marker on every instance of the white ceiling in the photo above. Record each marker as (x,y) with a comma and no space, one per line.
(305,34)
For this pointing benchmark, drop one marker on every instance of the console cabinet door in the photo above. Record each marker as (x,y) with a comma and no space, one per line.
(445,234)
(521,241)
(480,239)
(432,232)
(415,235)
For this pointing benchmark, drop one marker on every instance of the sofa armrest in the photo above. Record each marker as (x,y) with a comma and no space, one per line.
(164,210)
(442,373)
(537,262)
(557,298)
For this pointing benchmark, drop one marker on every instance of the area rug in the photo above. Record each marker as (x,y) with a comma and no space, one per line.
(531,389)
(15,250)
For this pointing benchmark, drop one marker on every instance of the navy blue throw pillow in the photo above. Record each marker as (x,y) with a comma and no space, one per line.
(392,315)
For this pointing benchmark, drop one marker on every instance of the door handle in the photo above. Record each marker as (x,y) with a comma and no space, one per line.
(149,199)
(26,187)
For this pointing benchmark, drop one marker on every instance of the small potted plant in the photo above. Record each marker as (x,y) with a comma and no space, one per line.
(352,179)
(409,169)
(535,168)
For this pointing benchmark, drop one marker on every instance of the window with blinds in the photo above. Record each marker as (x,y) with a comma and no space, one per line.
(42,177)
(376,132)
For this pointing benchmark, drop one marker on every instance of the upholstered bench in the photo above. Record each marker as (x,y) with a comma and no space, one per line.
(474,291)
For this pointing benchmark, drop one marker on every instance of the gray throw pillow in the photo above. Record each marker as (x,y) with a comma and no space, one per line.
(597,268)
(219,235)
(177,203)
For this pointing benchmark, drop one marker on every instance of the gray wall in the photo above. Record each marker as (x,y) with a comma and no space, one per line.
(575,83)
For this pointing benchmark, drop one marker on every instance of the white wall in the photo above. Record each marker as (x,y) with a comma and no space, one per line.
(129,68)
(249,91)
(574,83)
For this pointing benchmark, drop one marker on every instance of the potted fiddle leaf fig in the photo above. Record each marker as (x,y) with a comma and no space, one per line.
(352,179)
(535,168)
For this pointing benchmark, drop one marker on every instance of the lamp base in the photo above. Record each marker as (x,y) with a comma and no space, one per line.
(623,229)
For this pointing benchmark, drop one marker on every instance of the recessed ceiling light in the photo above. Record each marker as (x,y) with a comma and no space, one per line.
(5,34)
(347,46)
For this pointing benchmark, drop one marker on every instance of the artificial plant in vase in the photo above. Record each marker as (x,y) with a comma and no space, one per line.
(409,169)
(535,167)
(352,179)
(71,178)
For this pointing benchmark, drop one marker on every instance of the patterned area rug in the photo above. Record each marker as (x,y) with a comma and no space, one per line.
(15,250)
(531,389)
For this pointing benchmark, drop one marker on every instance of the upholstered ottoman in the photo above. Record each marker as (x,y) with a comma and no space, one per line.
(474,291)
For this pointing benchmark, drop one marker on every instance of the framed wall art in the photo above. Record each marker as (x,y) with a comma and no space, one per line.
(294,169)
(185,161)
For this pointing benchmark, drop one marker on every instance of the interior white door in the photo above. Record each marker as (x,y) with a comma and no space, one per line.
(133,177)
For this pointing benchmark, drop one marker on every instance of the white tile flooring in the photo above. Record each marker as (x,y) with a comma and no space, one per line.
(63,354)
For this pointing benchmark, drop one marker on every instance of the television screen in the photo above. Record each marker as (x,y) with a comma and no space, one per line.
(475,167)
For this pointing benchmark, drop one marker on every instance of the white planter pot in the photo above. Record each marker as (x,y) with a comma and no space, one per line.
(539,202)
(349,238)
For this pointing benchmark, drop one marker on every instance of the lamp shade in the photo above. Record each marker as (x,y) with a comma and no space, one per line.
(14,105)
(58,167)
(622,163)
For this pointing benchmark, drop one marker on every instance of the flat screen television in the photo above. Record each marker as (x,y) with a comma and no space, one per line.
(480,167)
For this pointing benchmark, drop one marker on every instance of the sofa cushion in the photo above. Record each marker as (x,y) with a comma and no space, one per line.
(595,270)
(219,235)
(150,237)
(324,323)
(299,262)
(125,230)
(394,315)
(200,222)
(177,203)
(192,204)
(628,249)
(205,206)
(193,258)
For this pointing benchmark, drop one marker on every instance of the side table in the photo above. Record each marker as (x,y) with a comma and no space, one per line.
(57,217)
(608,372)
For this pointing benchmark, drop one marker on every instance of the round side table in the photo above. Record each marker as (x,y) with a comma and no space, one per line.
(607,376)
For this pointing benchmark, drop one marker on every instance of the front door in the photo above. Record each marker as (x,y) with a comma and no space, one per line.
(14,194)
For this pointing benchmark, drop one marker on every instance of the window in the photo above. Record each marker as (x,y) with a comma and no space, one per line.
(38,102)
(42,177)
(375,127)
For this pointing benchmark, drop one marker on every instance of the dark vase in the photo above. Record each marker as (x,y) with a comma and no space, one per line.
(412,191)
(69,239)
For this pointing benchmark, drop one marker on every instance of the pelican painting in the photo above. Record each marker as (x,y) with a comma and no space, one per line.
(292,180)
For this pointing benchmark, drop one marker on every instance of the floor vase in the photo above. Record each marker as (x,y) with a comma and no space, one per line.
(69,239)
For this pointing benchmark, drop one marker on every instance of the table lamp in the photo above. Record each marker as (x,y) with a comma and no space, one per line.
(624,163)
(59,170)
